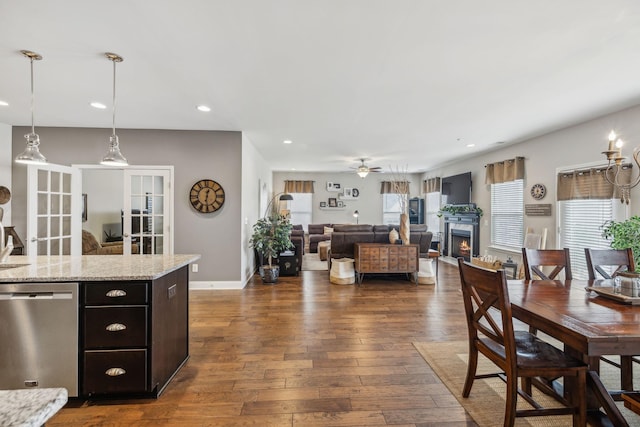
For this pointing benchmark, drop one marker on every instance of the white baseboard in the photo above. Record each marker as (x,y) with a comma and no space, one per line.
(203,285)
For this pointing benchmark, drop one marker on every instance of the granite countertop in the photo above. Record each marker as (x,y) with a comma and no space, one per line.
(90,267)
(30,407)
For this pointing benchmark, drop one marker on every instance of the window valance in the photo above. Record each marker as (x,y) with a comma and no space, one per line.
(431,185)
(397,187)
(298,186)
(590,184)
(507,170)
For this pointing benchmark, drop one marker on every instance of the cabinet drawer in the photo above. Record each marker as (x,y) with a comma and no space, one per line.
(115,371)
(115,293)
(110,327)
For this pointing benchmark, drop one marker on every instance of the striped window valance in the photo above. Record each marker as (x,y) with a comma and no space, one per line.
(590,184)
(394,187)
(431,185)
(507,170)
(298,186)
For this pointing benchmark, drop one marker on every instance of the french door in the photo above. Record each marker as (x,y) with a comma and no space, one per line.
(147,213)
(54,210)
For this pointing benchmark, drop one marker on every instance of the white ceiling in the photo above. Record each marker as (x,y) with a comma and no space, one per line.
(403,82)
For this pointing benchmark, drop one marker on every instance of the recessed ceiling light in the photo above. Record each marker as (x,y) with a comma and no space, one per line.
(471,145)
(287,141)
(203,108)
(98,105)
(4,103)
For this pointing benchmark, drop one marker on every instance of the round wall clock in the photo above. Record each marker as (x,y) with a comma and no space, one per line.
(538,191)
(206,196)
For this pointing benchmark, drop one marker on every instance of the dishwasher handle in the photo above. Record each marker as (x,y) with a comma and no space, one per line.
(36,295)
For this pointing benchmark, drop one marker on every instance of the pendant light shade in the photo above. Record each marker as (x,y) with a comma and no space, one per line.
(114,157)
(31,155)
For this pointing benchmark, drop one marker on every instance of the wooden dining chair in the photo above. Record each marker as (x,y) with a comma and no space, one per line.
(518,354)
(533,259)
(619,260)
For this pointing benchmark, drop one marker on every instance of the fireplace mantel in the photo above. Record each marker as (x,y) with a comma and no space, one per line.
(468,220)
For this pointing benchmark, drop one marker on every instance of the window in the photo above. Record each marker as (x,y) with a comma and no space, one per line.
(391,208)
(300,209)
(507,214)
(433,207)
(581,224)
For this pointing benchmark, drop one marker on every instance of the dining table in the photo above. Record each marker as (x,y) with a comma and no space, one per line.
(589,323)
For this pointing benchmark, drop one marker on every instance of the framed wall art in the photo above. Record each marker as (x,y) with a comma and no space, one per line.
(333,202)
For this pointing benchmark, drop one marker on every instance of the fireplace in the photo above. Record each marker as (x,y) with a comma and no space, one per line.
(462,235)
(461,244)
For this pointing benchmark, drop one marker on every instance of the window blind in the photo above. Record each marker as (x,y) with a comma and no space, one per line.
(581,222)
(507,214)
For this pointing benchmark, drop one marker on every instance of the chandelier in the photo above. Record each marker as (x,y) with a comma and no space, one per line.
(617,172)
(114,157)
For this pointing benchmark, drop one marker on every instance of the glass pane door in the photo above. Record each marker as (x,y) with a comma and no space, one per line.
(54,210)
(147,214)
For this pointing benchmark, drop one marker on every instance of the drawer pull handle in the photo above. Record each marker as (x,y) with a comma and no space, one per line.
(115,372)
(115,327)
(116,293)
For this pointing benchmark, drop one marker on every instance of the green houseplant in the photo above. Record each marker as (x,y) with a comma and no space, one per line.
(623,235)
(271,235)
(459,209)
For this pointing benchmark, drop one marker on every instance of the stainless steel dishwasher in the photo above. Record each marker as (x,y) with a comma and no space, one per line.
(39,336)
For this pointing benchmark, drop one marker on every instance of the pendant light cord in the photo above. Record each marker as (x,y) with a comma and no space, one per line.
(114,98)
(33,127)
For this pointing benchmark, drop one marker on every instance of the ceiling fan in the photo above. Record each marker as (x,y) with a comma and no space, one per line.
(363,170)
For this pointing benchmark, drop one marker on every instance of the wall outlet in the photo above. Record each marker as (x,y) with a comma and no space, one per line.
(194,268)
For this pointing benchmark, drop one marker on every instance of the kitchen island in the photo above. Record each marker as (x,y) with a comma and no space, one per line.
(118,326)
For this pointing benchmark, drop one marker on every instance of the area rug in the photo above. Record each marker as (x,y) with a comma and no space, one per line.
(486,401)
(311,262)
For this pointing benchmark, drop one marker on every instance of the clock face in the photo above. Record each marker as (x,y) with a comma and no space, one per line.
(206,196)
(538,191)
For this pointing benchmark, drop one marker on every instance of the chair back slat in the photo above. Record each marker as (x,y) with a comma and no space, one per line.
(533,259)
(487,306)
(622,259)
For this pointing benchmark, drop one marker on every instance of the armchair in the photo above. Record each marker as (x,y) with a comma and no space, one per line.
(91,246)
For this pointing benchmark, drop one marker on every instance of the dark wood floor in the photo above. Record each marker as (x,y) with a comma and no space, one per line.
(306,353)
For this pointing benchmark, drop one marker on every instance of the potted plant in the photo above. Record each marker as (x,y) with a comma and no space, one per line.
(460,209)
(271,235)
(623,235)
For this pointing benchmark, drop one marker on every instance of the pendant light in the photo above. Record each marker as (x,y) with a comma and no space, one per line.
(114,157)
(31,155)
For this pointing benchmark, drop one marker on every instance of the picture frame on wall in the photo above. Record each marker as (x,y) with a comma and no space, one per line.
(330,186)
(336,186)
(333,202)
(323,204)
(347,192)
(340,204)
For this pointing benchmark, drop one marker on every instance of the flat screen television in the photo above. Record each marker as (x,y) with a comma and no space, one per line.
(456,189)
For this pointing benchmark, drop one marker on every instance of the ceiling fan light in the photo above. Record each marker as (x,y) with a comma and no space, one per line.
(31,155)
(114,157)
(362,171)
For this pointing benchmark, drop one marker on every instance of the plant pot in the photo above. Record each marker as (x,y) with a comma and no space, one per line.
(270,274)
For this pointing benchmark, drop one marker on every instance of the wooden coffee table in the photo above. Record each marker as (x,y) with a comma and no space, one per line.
(386,258)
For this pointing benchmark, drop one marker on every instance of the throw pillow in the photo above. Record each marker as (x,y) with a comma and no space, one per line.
(328,231)
(393,236)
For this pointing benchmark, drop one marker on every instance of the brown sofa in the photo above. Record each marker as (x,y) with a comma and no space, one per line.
(316,235)
(91,246)
(345,235)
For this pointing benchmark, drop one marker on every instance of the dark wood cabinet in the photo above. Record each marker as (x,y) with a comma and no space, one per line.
(134,334)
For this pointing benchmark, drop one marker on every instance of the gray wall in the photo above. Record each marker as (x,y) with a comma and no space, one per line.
(581,144)
(369,203)
(194,155)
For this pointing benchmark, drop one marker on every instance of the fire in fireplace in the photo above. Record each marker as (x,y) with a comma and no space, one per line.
(460,244)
